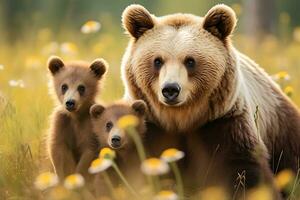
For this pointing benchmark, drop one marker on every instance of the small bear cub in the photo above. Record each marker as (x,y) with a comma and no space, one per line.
(108,134)
(75,86)
(104,123)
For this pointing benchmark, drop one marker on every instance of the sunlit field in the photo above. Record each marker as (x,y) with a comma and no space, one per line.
(25,103)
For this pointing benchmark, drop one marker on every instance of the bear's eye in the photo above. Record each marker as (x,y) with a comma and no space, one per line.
(158,62)
(64,88)
(190,62)
(81,89)
(109,126)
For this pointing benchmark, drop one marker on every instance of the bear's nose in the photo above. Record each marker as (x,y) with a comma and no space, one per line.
(70,105)
(171,91)
(116,141)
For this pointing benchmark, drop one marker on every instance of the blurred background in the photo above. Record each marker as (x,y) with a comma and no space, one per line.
(31,30)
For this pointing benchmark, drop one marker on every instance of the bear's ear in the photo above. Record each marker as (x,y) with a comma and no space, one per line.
(96,110)
(55,63)
(98,67)
(220,21)
(137,20)
(140,107)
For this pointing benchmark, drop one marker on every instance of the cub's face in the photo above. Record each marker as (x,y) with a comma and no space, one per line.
(76,84)
(180,57)
(104,122)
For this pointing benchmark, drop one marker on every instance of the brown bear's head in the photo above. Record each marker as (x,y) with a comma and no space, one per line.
(76,83)
(177,62)
(104,123)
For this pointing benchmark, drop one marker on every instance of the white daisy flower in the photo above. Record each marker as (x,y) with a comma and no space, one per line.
(154,166)
(68,48)
(74,181)
(172,155)
(166,195)
(16,83)
(99,165)
(90,27)
(46,180)
(128,121)
(107,153)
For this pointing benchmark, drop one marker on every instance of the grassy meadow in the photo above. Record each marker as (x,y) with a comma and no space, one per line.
(25,104)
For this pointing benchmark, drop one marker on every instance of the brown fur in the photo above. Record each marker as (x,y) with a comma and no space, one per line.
(223,81)
(229,143)
(127,158)
(70,138)
(220,154)
(204,82)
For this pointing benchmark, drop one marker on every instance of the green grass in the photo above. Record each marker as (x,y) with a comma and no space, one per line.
(24,112)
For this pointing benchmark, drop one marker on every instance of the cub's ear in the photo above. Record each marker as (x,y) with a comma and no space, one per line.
(140,107)
(96,110)
(99,67)
(137,20)
(220,21)
(55,63)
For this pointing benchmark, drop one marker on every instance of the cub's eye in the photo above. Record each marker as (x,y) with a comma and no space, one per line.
(109,126)
(64,88)
(189,62)
(158,62)
(81,89)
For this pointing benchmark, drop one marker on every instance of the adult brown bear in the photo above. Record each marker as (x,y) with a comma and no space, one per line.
(204,92)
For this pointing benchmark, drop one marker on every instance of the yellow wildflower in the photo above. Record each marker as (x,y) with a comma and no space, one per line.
(74,181)
(16,83)
(166,195)
(213,193)
(46,180)
(283,75)
(99,165)
(154,166)
(128,121)
(283,178)
(260,193)
(172,155)
(107,153)
(59,192)
(288,91)
(68,48)
(90,27)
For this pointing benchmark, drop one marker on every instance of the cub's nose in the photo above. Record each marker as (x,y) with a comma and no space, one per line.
(70,105)
(116,141)
(171,91)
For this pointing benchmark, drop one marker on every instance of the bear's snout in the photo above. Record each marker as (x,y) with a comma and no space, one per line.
(116,141)
(70,105)
(170,91)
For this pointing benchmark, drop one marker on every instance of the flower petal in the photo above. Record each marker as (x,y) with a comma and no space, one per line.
(99,165)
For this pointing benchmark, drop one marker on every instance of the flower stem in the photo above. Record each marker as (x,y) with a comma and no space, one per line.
(109,184)
(141,151)
(130,188)
(178,179)
(137,140)
(156,183)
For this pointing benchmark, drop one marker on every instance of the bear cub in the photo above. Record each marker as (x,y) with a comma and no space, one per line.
(108,134)
(74,86)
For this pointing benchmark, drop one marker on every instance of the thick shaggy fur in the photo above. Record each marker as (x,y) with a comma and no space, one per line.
(223,82)
(70,139)
(104,123)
